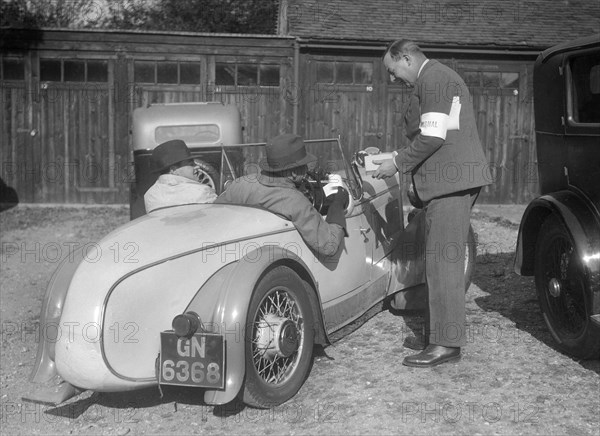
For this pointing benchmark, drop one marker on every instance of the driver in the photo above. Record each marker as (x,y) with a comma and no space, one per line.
(177,183)
(275,190)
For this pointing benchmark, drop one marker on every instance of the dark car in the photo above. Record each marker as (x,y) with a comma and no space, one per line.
(559,236)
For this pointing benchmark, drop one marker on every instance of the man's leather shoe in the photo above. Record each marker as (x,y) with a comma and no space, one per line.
(415,343)
(432,355)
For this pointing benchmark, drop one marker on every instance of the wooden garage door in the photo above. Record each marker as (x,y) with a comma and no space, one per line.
(502,103)
(342,97)
(76,126)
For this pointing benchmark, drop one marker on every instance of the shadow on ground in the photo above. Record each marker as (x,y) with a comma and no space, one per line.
(130,406)
(515,298)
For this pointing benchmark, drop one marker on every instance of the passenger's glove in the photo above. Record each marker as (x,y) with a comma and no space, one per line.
(337,209)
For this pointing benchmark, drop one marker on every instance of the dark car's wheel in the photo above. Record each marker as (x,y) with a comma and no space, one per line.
(564,292)
(470,256)
(279,339)
(206,174)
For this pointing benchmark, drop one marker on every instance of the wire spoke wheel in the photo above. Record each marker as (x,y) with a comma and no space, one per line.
(564,292)
(279,339)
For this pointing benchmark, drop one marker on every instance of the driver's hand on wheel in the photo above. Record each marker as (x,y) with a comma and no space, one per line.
(386,169)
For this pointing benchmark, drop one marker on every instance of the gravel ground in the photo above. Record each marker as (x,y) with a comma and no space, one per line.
(511,379)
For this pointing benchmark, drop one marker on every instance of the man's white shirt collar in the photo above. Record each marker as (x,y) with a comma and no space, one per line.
(422,65)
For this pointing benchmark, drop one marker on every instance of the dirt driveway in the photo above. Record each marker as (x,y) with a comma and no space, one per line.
(511,379)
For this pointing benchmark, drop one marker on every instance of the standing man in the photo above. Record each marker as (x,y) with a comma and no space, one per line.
(448,169)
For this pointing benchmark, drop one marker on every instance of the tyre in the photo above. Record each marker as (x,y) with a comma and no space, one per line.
(563,290)
(279,339)
(470,256)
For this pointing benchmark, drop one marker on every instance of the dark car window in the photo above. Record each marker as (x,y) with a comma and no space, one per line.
(585,88)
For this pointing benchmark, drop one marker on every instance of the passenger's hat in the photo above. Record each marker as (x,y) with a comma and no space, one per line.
(285,152)
(170,153)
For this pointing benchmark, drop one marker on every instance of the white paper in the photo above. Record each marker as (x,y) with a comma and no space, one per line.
(454,117)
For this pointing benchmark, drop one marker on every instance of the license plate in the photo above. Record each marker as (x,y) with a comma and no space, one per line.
(196,361)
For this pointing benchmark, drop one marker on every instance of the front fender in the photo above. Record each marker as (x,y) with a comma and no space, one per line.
(577,217)
(238,281)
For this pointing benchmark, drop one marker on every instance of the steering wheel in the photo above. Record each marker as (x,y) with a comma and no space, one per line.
(312,188)
(206,174)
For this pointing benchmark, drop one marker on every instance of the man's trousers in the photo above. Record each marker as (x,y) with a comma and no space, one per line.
(447,221)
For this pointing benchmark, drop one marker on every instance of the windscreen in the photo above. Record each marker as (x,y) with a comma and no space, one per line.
(329,155)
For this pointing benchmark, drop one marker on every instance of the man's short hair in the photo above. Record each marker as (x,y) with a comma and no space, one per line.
(401,47)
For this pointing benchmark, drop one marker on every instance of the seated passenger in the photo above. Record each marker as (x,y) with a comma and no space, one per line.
(275,190)
(177,183)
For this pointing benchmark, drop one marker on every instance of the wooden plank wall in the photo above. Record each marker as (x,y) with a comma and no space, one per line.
(68,142)
(71,144)
(15,156)
(505,126)
(77,157)
(504,122)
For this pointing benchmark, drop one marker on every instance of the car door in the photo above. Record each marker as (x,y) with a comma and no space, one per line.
(384,215)
(360,273)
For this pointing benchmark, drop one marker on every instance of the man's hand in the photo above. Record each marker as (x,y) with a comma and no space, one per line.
(386,169)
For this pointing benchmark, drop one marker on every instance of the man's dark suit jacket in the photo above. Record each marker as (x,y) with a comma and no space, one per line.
(445,155)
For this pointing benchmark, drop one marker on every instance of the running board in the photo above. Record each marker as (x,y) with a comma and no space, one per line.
(53,395)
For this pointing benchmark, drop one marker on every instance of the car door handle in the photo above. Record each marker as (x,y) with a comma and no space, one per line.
(364,232)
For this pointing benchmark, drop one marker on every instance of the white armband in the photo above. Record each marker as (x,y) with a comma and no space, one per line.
(434,124)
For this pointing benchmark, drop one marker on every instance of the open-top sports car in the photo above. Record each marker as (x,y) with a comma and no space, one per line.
(228,298)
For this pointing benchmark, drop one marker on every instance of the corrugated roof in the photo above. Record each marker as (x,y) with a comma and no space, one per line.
(510,23)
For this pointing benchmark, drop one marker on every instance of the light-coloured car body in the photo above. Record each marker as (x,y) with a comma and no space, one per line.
(110,301)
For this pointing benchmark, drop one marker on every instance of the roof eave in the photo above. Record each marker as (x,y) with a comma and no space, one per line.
(380,45)
(146,32)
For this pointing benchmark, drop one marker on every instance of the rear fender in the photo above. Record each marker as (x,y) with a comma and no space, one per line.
(237,282)
(45,369)
(582,224)
(576,217)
